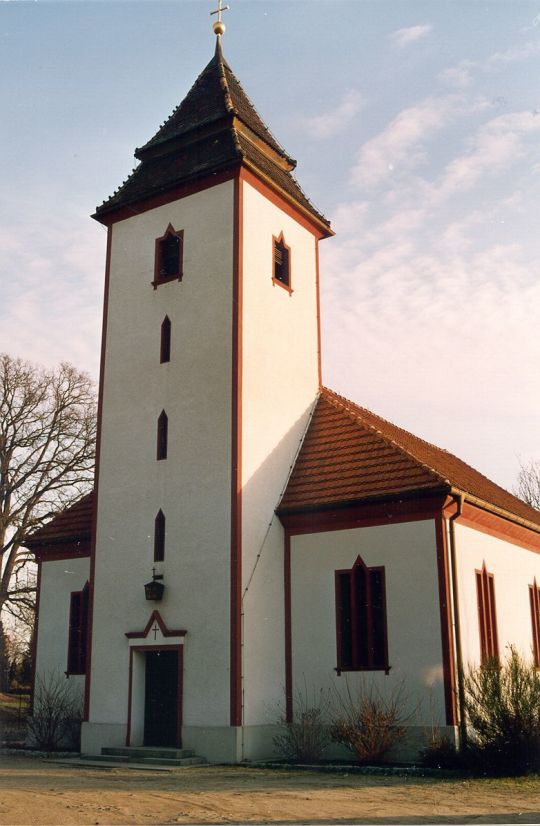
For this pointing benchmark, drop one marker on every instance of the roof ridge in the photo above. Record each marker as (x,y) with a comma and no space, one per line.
(333,397)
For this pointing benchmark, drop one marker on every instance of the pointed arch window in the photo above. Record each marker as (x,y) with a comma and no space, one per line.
(168,256)
(534,595)
(281,272)
(487,618)
(162,435)
(362,638)
(159,537)
(78,631)
(165,343)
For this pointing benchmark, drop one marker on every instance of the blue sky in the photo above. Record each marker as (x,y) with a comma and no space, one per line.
(416,126)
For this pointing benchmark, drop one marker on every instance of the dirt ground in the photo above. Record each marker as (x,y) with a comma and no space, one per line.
(34,791)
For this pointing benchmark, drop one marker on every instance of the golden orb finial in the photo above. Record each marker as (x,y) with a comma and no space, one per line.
(219,25)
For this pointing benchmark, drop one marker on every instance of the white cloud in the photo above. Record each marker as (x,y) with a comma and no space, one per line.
(411,34)
(401,145)
(460,76)
(336,120)
(515,54)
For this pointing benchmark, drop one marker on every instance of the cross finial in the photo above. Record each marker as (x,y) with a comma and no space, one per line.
(219,25)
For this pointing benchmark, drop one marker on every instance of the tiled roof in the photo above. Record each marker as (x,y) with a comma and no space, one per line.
(72,524)
(350,454)
(214,129)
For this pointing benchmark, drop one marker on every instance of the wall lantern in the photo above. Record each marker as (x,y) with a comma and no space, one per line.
(153,590)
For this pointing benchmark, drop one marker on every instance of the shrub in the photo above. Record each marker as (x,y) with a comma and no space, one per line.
(57,715)
(503,709)
(441,753)
(304,739)
(368,723)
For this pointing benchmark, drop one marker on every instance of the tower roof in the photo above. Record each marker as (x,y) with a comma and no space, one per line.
(215,128)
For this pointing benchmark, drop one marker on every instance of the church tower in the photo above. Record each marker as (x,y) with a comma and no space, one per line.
(210,371)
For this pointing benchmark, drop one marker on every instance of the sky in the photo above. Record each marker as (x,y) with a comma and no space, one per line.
(416,126)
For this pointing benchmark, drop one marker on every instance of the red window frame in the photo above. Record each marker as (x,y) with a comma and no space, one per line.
(163,273)
(534,597)
(487,615)
(361,622)
(281,263)
(159,537)
(78,631)
(162,436)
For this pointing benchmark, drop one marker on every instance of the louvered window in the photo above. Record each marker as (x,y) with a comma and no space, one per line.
(487,618)
(534,596)
(361,619)
(282,263)
(168,256)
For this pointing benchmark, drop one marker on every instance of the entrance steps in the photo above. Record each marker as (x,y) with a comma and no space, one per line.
(145,756)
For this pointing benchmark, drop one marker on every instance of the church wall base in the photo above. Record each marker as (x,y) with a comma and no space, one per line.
(95,736)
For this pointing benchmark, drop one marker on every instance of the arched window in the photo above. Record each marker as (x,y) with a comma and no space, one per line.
(485,592)
(162,434)
(168,256)
(281,272)
(78,631)
(165,348)
(361,619)
(159,537)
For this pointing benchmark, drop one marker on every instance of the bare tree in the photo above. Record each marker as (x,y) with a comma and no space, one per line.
(47,453)
(528,483)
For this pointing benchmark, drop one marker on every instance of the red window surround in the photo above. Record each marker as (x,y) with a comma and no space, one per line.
(281,263)
(165,341)
(362,636)
(78,631)
(534,596)
(487,617)
(159,537)
(162,435)
(168,257)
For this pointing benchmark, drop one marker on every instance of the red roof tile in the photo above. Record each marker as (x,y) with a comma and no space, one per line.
(350,454)
(72,524)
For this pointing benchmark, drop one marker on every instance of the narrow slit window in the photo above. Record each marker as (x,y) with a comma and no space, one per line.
(487,618)
(162,435)
(168,256)
(281,263)
(159,537)
(78,631)
(534,595)
(361,619)
(165,348)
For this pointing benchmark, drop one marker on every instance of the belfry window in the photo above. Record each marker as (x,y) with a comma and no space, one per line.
(78,631)
(165,344)
(162,435)
(168,256)
(281,263)
(159,537)
(361,619)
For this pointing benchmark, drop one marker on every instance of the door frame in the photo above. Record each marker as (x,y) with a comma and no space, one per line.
(137,687)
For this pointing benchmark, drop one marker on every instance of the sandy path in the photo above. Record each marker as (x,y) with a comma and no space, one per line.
(37,792)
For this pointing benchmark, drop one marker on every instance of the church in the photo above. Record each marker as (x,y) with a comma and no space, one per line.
(253,536)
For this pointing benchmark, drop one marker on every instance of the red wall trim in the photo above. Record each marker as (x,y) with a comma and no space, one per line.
(445,611)
(288,629)
(236,465)
(175,194)
(275,198)
(96,485)
(155,616)
(497,526)
(35,635)
(317,288)
(180,688)
(366,515)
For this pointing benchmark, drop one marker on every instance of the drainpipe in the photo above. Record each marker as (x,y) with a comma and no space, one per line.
(459,499)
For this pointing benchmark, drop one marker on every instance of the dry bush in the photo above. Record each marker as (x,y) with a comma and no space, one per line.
(57,715)
(368,723)
(305,738)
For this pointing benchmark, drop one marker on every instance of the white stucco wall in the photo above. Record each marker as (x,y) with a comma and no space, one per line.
(514,569)
(192,486)
(279,387)
(408,553)
(58,580)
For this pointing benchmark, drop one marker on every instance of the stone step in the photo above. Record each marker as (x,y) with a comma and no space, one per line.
(141,752)
(164,761)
